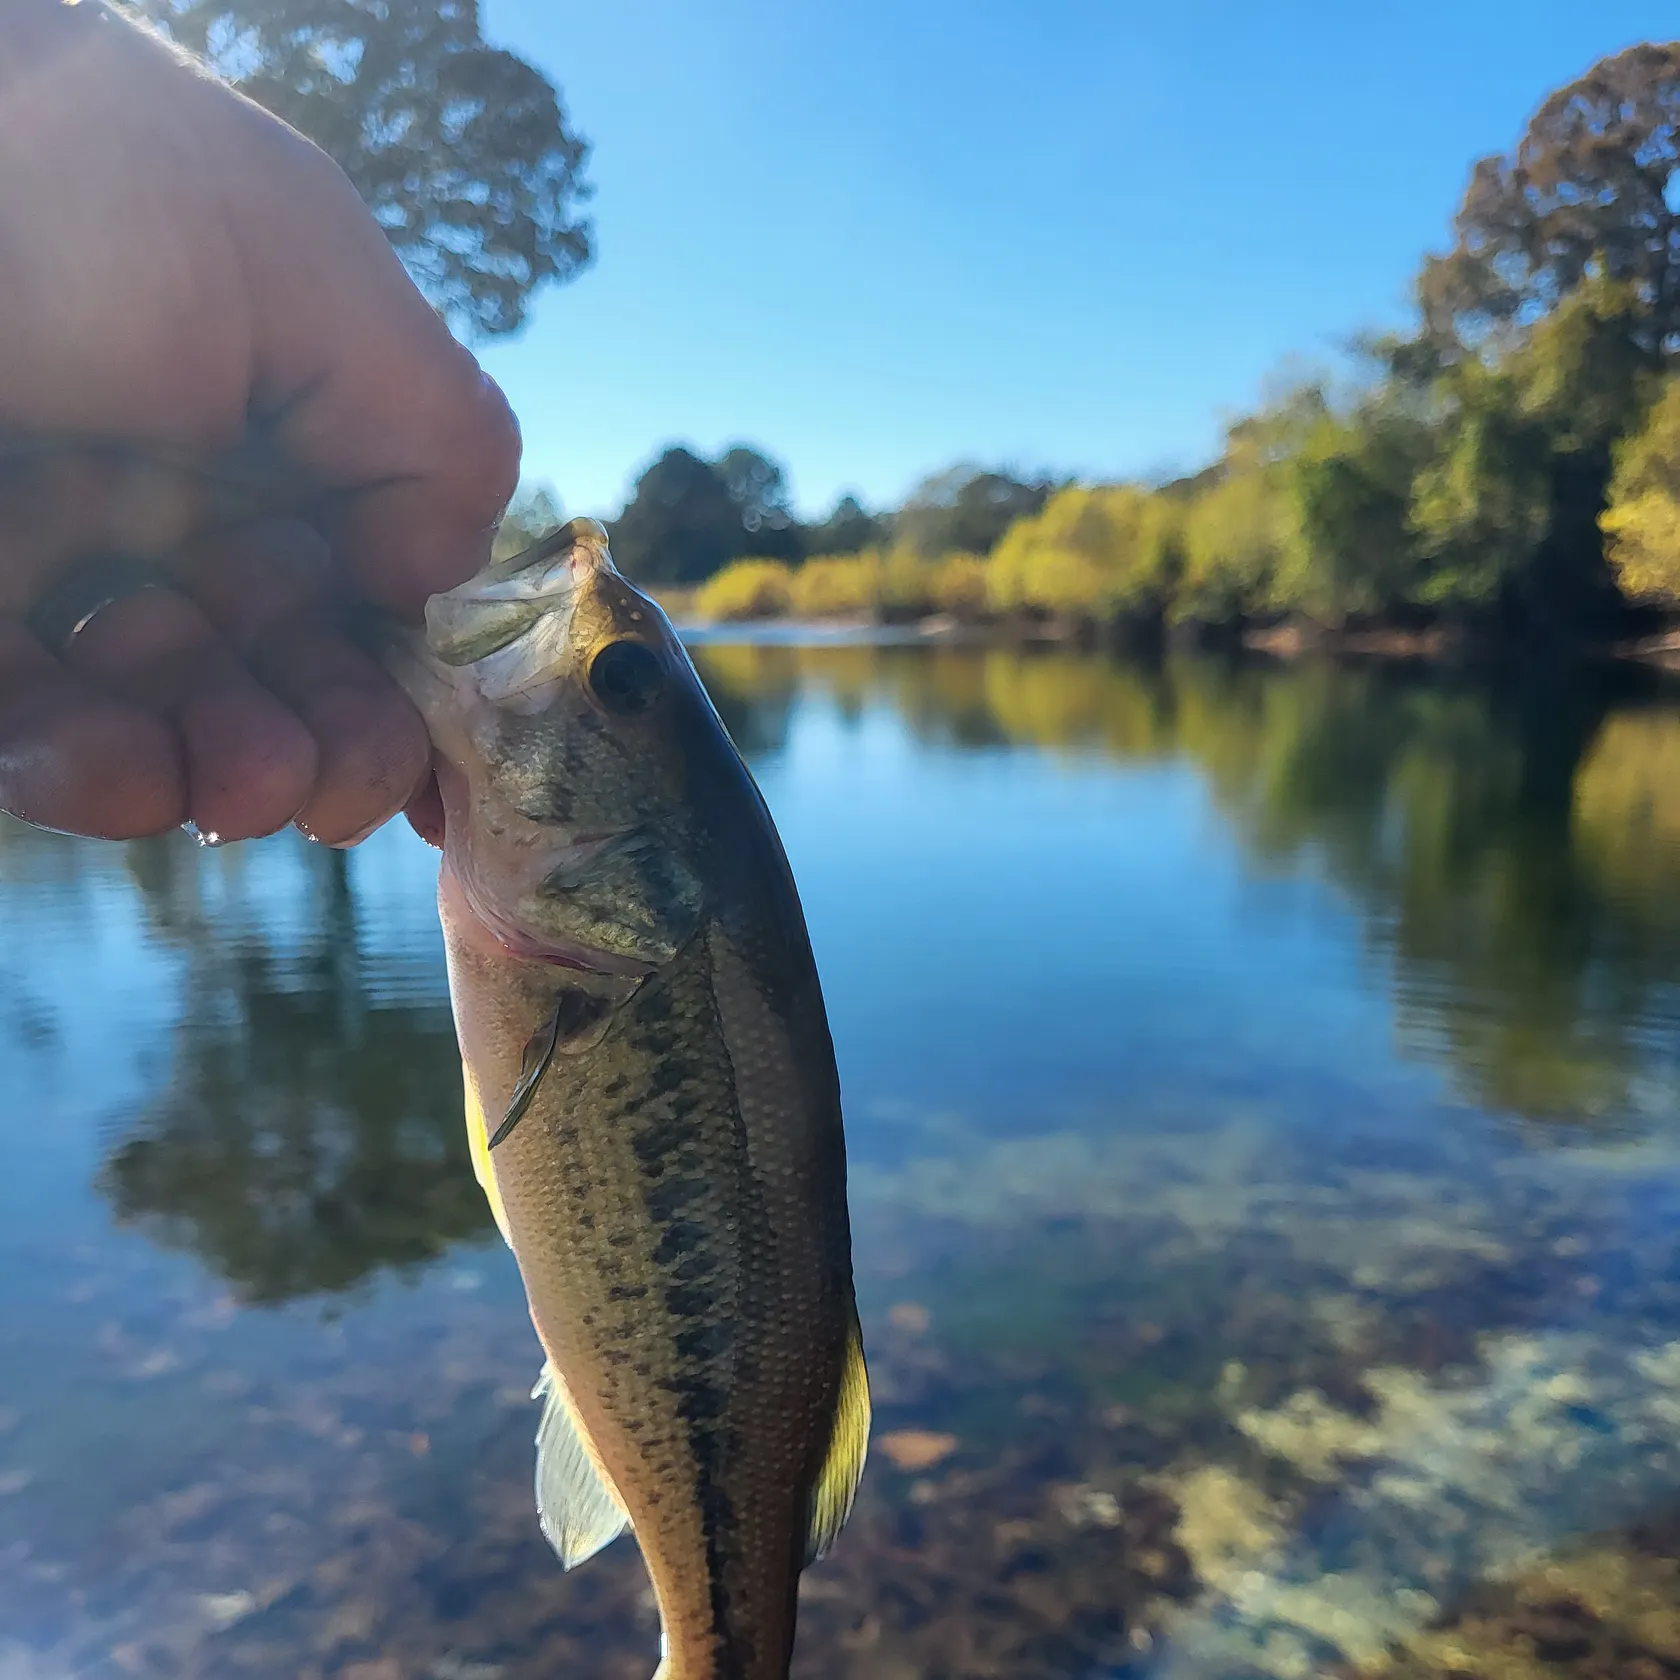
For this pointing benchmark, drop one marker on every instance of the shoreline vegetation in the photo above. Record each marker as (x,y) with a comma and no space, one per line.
(1289,640)
(1502,480)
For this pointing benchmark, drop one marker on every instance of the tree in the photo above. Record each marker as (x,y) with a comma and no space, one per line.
(1348,486)
(966,510)
(1235,534)
(687,517)
(1098,554)
(760,491)
(1238,527)
(462,151)
(1592,189)
(310,1136)
(1642,521)
(1482,506)
(847,530)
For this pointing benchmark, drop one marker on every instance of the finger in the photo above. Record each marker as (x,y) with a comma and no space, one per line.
(425,813)
(372,748)
(250,765)
(61,503)
(77,760)
(268,590)
(375,397)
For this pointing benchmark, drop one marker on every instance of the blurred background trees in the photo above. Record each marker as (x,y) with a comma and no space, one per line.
(462,151)
(1508,468)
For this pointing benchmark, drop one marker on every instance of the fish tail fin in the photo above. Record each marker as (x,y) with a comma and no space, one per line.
(576,1505)
(837,1484)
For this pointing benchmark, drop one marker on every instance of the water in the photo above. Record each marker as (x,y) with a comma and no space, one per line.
(1264,1114)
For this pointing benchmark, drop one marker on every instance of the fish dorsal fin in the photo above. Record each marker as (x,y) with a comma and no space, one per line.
(478,1143)
(831,1498)
(579,1513)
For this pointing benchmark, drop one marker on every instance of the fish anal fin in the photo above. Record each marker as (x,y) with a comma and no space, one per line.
(576,1506)
(837,1484)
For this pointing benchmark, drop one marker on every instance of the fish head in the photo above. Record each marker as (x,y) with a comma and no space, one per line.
(560,701)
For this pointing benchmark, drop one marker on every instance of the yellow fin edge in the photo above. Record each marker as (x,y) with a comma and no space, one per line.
(837,1484)
(478,1142)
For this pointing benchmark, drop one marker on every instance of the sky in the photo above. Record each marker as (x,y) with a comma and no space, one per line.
(881,237)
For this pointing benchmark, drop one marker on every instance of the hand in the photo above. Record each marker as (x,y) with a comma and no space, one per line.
(177,266)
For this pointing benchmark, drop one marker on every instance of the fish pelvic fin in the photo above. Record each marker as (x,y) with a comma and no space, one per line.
(578,1510)
(478,1143)
(837,1484)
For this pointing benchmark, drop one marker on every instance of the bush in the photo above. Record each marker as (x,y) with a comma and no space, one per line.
(1641,524)
(1097,554)
(957,585)
(838,586)
(746,589)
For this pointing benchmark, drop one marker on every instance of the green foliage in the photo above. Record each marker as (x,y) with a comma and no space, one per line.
(687,517)
(1101,553)
(883,584)
(1348,552)
(847,530)
(838,586)
(747,589)
(957,585)
(966,510)
(1642,521)
(1236,535)
(462,151)
(1481,505)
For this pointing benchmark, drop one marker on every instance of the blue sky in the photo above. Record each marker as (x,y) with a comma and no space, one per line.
(878,237)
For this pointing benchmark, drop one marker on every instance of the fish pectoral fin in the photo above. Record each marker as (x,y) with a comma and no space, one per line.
(579,1513)
(539,1052)
(578,1022)
(836,1488)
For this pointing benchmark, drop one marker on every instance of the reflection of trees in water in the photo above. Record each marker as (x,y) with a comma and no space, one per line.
(1447,810)
(1512,844)
(1514,852)
(312,1133)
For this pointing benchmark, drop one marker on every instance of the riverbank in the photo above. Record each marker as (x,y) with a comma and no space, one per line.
(1285,641)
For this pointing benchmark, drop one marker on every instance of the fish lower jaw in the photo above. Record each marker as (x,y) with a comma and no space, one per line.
(498,933)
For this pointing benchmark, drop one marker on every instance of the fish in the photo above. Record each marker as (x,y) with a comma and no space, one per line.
(652,1100)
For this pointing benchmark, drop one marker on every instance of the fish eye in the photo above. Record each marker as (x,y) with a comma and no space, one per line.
(626,677)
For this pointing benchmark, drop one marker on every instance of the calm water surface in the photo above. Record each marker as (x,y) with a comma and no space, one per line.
(1264,1110)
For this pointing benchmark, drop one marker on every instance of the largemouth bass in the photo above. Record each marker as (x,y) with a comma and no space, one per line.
(652,1098)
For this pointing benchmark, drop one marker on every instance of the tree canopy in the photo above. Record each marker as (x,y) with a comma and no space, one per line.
(461,150)
(688,517)
(966,509)
(1591,189)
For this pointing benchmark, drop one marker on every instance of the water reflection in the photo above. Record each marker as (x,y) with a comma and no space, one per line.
(1512,850)
(311,1133)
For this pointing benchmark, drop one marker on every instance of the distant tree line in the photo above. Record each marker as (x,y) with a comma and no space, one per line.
(688,517)
(1511,467)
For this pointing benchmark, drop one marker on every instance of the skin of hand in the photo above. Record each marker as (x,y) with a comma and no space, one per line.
(178,267)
